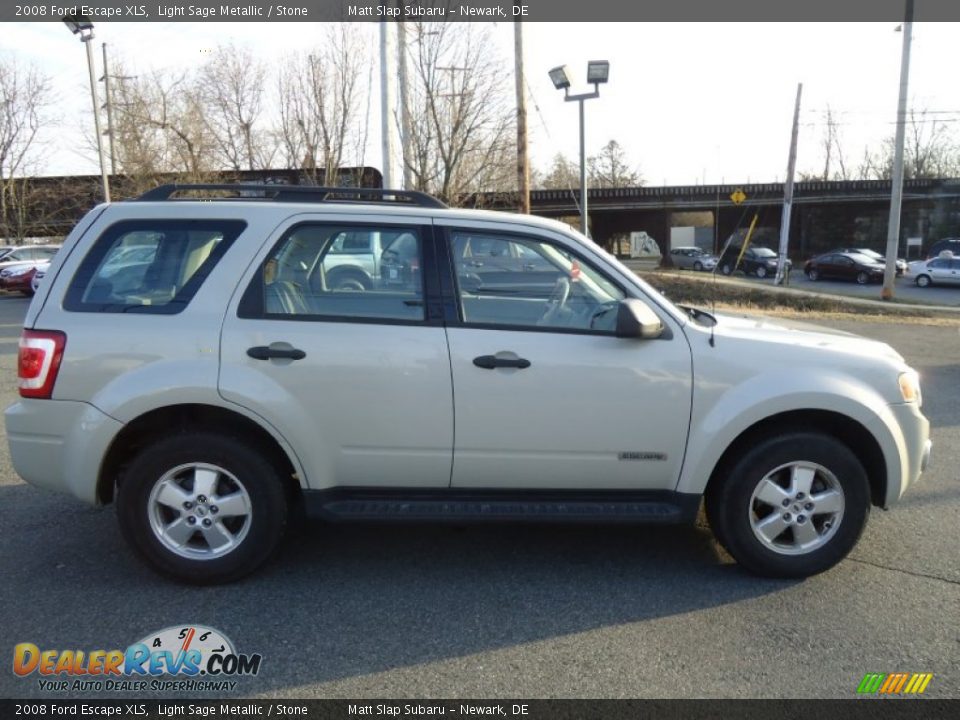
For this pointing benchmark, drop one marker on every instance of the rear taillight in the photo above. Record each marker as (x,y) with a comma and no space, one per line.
(39,362)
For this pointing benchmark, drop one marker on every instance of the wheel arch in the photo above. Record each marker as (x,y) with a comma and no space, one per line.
(190,418)
(842,427)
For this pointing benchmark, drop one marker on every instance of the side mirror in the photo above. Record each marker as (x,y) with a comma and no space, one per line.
(635,319)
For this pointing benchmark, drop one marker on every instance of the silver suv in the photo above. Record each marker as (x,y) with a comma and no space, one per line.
(214,384)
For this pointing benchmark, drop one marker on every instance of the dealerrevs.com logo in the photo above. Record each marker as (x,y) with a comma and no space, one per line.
(201,657)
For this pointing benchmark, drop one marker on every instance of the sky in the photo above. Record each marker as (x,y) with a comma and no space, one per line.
(690,103)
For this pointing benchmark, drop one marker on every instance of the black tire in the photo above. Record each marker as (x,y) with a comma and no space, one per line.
(726,269)
(863,278)
(261,479)
(761,271)
(731,509)
(924,281)
(698,266)
(813,274)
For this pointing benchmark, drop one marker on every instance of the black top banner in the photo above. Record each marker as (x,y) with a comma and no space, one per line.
(481,10)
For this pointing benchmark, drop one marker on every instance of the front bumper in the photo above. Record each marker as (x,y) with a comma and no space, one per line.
(915,451)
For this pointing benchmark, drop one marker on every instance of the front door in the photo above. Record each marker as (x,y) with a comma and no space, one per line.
(547,398)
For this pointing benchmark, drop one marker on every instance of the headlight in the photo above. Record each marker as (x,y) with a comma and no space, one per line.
(910,387)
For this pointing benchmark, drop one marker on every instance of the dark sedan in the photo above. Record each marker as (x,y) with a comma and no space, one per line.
(844,266)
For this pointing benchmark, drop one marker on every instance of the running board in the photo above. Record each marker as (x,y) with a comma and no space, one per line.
(417,505)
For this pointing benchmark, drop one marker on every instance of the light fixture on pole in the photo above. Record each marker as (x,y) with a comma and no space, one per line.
(598,71)
(81,25)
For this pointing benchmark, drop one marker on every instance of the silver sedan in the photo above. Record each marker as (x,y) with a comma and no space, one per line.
(692,258)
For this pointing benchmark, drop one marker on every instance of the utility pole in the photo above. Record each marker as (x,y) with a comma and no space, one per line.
(404,104)
(896,189)
(386,102)
(788,193)
(109,106)
(523,160)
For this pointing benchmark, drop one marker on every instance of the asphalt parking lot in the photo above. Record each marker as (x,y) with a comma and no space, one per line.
(525,612)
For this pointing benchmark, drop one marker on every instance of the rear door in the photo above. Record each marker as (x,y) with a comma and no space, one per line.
(358,382)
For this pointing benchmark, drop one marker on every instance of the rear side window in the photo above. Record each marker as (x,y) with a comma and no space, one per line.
(149,266)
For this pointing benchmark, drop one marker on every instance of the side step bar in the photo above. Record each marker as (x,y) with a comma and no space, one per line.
(418,505)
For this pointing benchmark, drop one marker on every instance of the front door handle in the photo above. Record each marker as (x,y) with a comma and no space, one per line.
(489,362)
(268,352)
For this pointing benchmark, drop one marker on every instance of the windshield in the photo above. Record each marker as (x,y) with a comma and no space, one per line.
(763,252)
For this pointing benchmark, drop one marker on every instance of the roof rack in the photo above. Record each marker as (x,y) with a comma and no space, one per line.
(300,193)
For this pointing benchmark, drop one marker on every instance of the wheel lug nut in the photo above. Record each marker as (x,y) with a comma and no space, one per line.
(214,509)
(786,503)
(188,505)
(191,520)
(808,506)
(786,516)
(800,519)
(201,498)
(800,496)
(206,522)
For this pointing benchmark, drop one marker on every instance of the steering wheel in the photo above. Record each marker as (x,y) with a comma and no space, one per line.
(558,297)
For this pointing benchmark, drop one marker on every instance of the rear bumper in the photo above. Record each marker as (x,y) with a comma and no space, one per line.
(59,444)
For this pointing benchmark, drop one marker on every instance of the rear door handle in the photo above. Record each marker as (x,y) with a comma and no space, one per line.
(489,362)
(268,352)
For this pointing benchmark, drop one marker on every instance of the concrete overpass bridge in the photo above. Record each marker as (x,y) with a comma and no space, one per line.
(825,214)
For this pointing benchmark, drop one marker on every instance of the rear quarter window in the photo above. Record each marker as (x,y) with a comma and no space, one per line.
(149,266)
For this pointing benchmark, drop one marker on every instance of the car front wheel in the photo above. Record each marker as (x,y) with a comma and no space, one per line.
(761,272)
(793,505)
(726,269)
(863,278)
(813,274)
(202,508)
(923,281)
(698,266)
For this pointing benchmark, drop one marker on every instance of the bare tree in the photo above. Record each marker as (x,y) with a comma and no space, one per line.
(609,169)
(563,174)
(930,151)
(231,87)
(461,118)
(160,127)
(25,99)
(320,105)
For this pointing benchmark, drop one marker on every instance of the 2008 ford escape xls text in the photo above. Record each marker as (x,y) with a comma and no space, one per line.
(495,367)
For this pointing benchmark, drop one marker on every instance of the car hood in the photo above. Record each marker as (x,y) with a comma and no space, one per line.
(801,334)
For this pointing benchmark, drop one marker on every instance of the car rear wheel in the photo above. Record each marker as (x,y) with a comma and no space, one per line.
(923,281)
(813,274)
(793,505)
(202,508)
(863,278)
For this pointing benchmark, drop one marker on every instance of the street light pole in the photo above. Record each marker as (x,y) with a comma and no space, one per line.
(81,25)
(896,182)
(598,71)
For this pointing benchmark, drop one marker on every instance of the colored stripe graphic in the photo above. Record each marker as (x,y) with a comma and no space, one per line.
(894,683)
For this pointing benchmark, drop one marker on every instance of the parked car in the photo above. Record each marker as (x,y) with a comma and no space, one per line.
(900,264)
(38,275)
(693,258)
(951,245)
(756,260)
(939,271)
(234,387)
(28,253)
(18,277)
(844,266)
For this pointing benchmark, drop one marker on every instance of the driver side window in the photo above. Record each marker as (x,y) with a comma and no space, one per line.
(522,282)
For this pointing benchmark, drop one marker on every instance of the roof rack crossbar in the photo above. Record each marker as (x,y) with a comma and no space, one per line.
(301,193)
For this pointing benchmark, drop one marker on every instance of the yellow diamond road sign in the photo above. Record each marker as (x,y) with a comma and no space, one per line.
(738,196)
